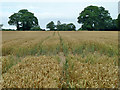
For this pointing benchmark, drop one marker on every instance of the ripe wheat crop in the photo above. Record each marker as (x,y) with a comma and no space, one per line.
(49,59)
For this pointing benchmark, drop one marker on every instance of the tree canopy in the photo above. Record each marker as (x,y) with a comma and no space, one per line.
(36,28)
(118,22)
(91,18)
(65,27)
(23,20)
(94,18)
(51,25)
(70,27)
(60,26)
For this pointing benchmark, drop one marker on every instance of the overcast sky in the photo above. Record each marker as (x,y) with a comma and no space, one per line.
(66,11)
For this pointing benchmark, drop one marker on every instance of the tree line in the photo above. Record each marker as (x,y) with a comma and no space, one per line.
(61,27)
(92,18)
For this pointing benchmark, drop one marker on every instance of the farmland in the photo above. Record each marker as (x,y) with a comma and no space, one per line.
(59,59)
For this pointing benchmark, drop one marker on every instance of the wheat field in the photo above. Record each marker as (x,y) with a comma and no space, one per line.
(52,59)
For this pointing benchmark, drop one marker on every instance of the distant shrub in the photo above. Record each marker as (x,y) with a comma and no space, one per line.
(8,30)
(36,28)
(81,29)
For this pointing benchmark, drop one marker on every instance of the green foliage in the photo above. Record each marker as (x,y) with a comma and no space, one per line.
(70,27)
(65,27)
(95,18)
(91,18)
(36,28)
(118,22)
(51,26)
(8,30)
(80,29)
(114,26)
(23,20)
(58,26)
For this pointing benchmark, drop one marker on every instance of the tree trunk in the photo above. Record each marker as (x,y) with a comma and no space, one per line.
(18,28)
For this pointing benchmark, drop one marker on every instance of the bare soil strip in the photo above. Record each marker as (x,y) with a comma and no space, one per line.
(61,54)
(62,58)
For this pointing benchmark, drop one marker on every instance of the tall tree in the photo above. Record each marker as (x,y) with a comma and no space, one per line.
(23,20)
(118,22)
(65,27)
(51,25)
(70,27)
(14,20)
(58,26)
(94,18)
(36,28)
(113,25)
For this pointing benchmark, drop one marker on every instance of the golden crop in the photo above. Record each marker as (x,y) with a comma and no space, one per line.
(34,72)
(98,72)
(76,59)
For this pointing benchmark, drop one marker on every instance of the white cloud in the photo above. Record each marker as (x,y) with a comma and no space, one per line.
(47,15)
(59,0)
(5,14)
(8,27)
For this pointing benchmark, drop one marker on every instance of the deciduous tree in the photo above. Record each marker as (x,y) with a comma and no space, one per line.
(51,26)
(94,18)
(118,22)
(23,20)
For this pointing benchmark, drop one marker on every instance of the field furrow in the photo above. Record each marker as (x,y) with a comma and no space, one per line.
(60,59)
